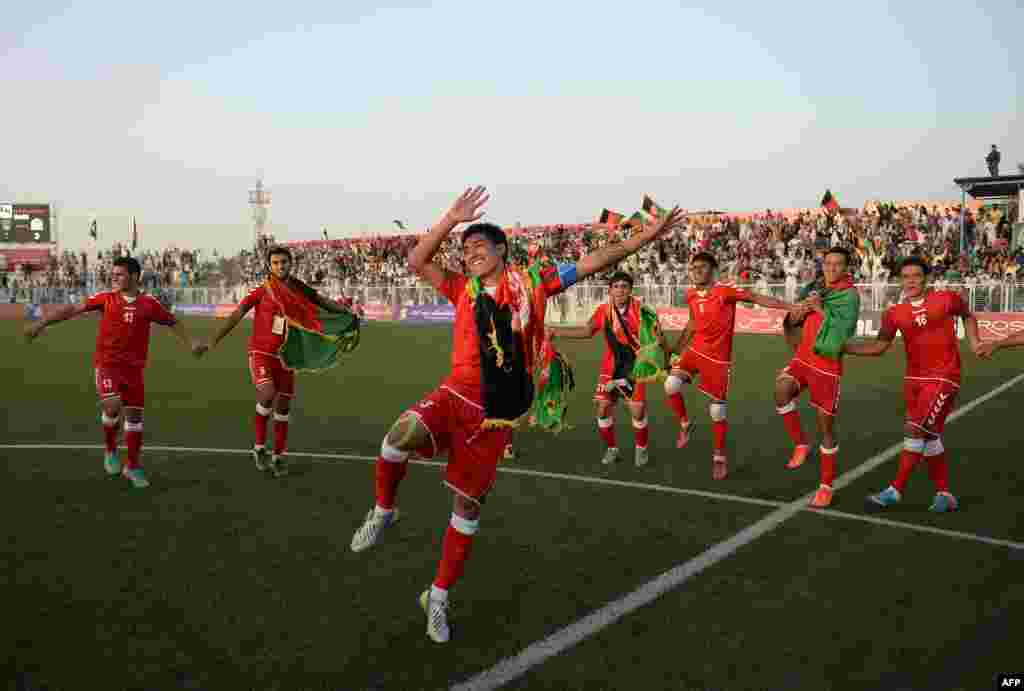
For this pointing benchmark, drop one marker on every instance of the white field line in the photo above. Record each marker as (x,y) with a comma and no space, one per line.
(536,653)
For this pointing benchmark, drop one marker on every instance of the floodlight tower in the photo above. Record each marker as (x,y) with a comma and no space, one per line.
(259,201)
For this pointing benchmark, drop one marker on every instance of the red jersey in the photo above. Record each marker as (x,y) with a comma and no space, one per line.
(928,326)
(465,375)
(268,323)
(123,336)
(714,319)
(597,322)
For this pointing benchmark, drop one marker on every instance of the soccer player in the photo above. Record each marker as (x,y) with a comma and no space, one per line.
(499,322)
(122,346)
(927,320)
(819,374)
(275,384)
(619,320)
(707,340)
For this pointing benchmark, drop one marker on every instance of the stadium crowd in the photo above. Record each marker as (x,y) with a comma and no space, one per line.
(763,248)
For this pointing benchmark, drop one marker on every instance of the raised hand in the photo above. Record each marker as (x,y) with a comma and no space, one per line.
(672,220)
(986,350)
(467,208)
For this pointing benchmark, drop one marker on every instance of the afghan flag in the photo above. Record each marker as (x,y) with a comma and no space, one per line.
(313,342)
(555,382)
(842,307)
(135,234)
(612,218)
(636,220)
(94,230)
(829,202)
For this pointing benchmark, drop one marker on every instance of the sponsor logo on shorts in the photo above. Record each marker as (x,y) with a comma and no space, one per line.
(940,403)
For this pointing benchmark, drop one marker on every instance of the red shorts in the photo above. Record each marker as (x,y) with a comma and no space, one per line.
(269,368)
(824,386)
(454,425)
(600,395)
(929,403)
(121,381)
(712,375)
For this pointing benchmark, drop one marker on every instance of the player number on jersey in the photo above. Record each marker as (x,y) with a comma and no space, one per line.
(700,307)
(921,320)
(129,317)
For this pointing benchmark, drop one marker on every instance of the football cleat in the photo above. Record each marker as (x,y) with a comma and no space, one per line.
(610,456)
(822,498)
(719,467)
(684,435)
(137,476)
(887,497)
(437,617)
(944,502)
(642,457)
(111,463)
(800,455)
(369,532)
(261,458)
(278,466)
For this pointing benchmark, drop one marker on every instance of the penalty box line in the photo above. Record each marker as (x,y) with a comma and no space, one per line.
(512,668)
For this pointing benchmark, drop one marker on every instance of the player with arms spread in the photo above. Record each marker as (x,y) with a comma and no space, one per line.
(927,321)
(122,347)
(708,339)
(829,318)
(619,320)
(499,329)
(275,384)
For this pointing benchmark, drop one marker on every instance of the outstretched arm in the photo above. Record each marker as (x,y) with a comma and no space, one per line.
(986,350)
(570,332)
(769,302)
(465,209)
(872,348)
(32,331)
(610,255)
(231,322)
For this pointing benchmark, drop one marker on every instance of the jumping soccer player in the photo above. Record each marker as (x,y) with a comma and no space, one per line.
(837,304)
(275,384)
(122,346)
(619,320)
(707,340)
(927,321)
(499,329)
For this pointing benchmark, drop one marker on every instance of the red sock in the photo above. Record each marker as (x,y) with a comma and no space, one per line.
(607,434)
(678,406)
(828,466)
(110,437)
(641,434)
(908,461)
(454,552)
(259,422)
(280,433)
(718,431)
(388,474)
(938,472)
(133,442)
(791,421)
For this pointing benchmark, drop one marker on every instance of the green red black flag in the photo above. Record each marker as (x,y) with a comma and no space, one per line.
(829,202)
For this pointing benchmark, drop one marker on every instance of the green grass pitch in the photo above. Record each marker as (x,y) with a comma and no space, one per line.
(218,577)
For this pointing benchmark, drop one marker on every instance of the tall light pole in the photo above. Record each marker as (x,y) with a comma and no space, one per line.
(259,201)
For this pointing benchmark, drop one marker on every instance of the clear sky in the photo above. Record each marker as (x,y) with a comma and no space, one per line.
(358,114)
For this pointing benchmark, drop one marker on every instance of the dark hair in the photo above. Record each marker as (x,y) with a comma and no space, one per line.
(129,263)
(620,276)
(490,231)
(705,257)
(840,250)
(278,249)
(916,261)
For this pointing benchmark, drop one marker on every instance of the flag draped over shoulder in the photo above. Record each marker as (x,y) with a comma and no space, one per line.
(555,381)
(640,359)
(842,307)
(313,342)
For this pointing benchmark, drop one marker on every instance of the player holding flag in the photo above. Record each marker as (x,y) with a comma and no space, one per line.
(829,319)
(285,307)
(122,347)
(708,339)
(498,332)
(627,326)
(927,320)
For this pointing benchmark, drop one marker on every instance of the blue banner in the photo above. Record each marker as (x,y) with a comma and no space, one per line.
(427,314)
(194,310)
